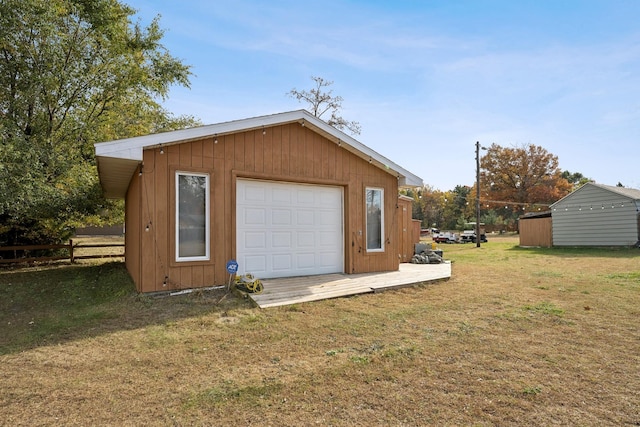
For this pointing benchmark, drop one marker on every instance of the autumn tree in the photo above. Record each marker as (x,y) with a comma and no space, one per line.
(322,101)
(521,177)
(72,73)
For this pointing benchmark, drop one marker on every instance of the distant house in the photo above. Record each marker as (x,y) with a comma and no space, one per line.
(597,215)
(284,195)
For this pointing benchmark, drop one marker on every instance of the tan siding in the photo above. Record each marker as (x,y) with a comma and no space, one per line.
(267,151)
(218,226)
(294,154)
(132,229)
(536,232)
(250,152)
(226,245)
(289,153)
(310,163)
(316,149)
(286,154)
(276,150)
(161,226)
(258,141)
(416,225)
(196,154)
(148,267)
(207,149)
(405,243)
(331,160)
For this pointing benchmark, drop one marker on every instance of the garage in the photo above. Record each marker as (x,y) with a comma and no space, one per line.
(288,229)
(284,194)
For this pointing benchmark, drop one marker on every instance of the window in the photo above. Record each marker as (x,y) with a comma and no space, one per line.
(375,219)
(192,216)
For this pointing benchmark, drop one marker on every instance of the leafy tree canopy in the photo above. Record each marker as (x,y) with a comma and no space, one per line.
(72,73)
(576,179)
(523,175)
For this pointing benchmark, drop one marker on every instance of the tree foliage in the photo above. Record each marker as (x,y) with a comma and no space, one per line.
(321,101)
(513,180)
(576,179)
(72,73)
(521,177)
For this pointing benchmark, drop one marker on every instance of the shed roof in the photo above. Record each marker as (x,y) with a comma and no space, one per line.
(117,160)
(630,193)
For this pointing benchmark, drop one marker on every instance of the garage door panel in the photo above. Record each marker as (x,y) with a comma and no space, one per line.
(329,199)
(327,219)
(328,259)
(255,263)
(287,229)
(305,217)
(281,195)
(255,240)
(254,193)
(306,239)
(305,197)
(281,217)
(282,262)
(254,216)
(281,240)
(330,240)
(306,260)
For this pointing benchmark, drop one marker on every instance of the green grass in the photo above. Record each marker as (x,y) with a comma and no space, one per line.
(229,392)
(49,305)
(44,305)
(515,337)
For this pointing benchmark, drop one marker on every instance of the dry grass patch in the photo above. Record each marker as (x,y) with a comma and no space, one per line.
(533,337)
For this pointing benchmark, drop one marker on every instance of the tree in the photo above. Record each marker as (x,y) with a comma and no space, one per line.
(72,72)
(576,179)
(520,177)
(321,101)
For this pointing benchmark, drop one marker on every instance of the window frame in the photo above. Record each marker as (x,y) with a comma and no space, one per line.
(207,224)
(366,219)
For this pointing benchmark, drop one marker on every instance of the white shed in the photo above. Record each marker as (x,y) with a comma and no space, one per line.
(597,215)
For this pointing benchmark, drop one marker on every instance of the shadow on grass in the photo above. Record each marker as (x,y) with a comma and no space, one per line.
(572,252)
(55,304)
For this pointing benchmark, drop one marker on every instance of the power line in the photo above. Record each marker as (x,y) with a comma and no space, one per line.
(504,202)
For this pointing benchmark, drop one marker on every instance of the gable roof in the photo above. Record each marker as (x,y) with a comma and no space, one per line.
(630,193)
(118,160)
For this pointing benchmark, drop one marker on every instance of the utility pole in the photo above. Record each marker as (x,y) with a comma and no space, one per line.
(477,194)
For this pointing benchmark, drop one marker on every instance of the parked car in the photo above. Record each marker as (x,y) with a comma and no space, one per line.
(446,237)
(470,236)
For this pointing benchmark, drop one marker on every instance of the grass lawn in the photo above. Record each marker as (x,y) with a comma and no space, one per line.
(515,337)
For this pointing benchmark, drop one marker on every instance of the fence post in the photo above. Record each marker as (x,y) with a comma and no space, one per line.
(71,250)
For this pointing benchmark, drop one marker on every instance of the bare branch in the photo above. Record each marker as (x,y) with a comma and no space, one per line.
(321,101)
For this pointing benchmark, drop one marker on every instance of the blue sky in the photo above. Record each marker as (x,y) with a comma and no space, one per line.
(426,79)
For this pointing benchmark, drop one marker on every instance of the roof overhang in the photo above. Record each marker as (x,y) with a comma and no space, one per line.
(118,160)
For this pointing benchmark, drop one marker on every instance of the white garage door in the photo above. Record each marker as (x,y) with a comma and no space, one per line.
(286,229)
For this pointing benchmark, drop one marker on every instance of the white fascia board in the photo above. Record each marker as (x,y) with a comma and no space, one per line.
(131,148)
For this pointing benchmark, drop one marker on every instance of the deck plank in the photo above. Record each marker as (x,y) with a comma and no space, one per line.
(295,290)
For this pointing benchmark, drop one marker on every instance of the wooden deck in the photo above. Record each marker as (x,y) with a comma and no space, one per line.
(294,290)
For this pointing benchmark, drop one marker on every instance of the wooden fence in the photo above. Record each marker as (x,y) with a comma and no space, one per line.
(22,254)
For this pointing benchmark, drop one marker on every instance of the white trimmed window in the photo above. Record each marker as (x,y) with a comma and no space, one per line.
(375,219)
(192,216)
